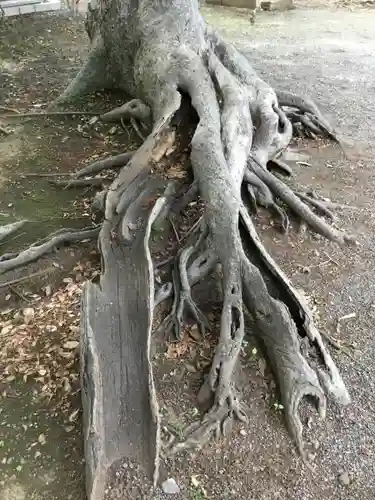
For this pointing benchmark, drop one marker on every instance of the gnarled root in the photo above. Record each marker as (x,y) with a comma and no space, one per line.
(135,109)
(242,130)
(217,422)
(278,319)
(198,270)
(282,191)
(220,183)
(303,110)
(182,293)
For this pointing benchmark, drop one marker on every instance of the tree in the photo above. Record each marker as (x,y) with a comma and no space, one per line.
(191,88)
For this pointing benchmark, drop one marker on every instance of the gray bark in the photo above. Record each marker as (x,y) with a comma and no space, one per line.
(156,50)
(120,413)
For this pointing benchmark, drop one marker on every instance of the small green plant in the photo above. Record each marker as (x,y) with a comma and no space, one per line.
(278,406)
(198,494)
(178,428)
(157,229)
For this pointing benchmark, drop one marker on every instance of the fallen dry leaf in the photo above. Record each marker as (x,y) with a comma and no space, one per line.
(39,342)
(194,481)
(73,416)
(28,315)
(71,344)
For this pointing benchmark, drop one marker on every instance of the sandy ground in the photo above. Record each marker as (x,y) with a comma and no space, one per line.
(330,55)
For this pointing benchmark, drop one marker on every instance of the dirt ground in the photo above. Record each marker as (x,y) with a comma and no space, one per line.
(331,55)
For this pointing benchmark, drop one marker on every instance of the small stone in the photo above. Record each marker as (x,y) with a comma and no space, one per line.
(170,487)
(243,432)
(190,368)
(344,478)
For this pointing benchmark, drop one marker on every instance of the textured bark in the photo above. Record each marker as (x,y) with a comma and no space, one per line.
(159,51)
(119,406)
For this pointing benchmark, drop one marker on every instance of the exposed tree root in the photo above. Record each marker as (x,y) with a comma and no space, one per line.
(243,128)
(280,166)
(295,377)
(183,277)
(303,104)
(135,109)
(291,315)
(282,191)
(37,250)
(319,205)
(117,161)
(10,110)
(197,271)
(308,114)
(44,174)
(78,183)
(9,229)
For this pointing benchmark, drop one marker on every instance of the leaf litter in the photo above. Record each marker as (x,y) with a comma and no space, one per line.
(40,343)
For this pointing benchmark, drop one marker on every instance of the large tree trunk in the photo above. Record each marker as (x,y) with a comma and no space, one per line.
(162,53)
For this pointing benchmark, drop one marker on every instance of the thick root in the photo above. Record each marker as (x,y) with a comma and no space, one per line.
(299,311)
(279,338)
(54,240)
(295,378)
(117,161)
(261,195)
(135,109)
(303,104)
(198,270)
(219,184)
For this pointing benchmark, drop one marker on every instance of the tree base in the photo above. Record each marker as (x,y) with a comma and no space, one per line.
(182,72)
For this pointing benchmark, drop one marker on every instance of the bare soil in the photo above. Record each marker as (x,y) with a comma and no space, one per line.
(38,54)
